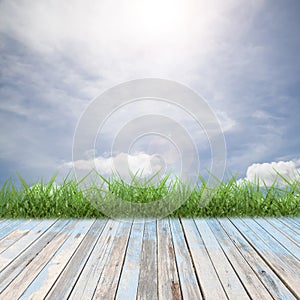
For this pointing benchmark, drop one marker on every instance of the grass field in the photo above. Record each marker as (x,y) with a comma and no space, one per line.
(70,200)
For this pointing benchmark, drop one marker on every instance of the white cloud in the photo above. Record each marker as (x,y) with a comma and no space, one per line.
(267,172)
(141,163)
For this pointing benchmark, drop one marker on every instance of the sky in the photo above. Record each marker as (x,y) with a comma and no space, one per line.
(241,57)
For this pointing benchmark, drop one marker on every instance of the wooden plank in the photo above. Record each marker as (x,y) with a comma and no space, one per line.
(19,264)
(294,220)
(11,225)
(63,286)
(272,253)
(188,280)
(167,259)
(87,282)
(168,280)
(108,282)
(275,286)
(128,284)
(297,220)
(230,281)
(210,283)
(249,278)
(4,223)
(8,255)
(279,237)
(289,222)
(147,287)
(39,288)
(287,231)
(17,287)
(22,230)
(282,252)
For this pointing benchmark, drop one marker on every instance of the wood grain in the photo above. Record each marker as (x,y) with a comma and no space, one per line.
(249,258)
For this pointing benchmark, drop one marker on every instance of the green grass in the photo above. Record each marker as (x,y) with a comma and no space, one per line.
(70,200)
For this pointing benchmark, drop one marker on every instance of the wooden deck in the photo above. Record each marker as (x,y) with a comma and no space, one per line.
(163,259)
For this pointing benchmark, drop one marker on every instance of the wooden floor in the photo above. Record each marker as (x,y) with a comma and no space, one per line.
(163,259)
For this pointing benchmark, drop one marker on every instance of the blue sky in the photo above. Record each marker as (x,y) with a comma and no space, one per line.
(241,56)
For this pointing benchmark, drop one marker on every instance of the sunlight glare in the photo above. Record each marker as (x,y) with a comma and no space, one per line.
(158,17)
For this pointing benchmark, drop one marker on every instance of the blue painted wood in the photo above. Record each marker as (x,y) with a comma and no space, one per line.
(148,281)
(19,264)
(279,237)
(274,239)
(39,288)
(252,255)
(289,222)
(248,277)
(168,280)
(206,273)
(229,279)
(11,226)
(4,223)
(109,279)
(68,277)
(88,279)
(17,234)
(54,258)
(280,260)
(20,283)
(296,220)
(8,255)
(285,229)
(128,284)
(188,280)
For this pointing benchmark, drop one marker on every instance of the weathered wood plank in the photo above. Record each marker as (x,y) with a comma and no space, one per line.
(277,257)
(128,284)
(23,280)
(270,279)
(63,286)
(19,264)
(40,287)
(286,255)
(294,220)
(188,281)
(4,223)
(209,281)
(147,287)
(17,234)
(230,281)
(279,237)
(88,279)
(108,282)
(249,278)
(297,220)
(11,225)
(8,255)
(168,280)
(289,222)
(164,259)
(287,231)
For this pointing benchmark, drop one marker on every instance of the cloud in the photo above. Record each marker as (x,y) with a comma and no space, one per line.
(56,56)
(141,163)
(129,39)
(267,172)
